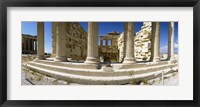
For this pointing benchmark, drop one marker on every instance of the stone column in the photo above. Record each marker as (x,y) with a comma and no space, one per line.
(106,42)
(60,42)
(28,39)
(92,44)
(32,45)
(101,42)
(24,45)
(36,46)
(129,58)
(40,41)
(171,41)
(54,27)
(155,41)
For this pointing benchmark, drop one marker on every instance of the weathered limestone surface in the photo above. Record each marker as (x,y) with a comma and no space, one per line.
(54,30)
(92,44)
(121,46)
(40,40)
(60,42)
(155,41)
(106,75)
(76,41)
(109,52)
(130,57)
(143,43)
(171,41)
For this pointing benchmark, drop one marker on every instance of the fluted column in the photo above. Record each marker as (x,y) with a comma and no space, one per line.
(171,41)
(54,28)
(40,41)
(155,41)
(92,43)
(129,58)
(60,42)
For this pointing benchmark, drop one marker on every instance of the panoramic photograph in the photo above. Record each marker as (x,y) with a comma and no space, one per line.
(99,53)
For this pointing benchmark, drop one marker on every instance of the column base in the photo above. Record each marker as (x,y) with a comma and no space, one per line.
(60,59)
(92,60)
(53,55)
(156,59)
(172,60)
(40,57)
(129,60)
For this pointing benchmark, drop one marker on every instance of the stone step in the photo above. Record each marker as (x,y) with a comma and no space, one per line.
(100,72)
(69,64)
(139,65)
(80,79)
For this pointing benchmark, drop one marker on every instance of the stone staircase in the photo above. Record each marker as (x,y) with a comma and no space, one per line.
(87,74)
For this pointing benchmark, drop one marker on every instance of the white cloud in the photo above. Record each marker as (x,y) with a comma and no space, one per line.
(164,49)
(175,45)
(176,41)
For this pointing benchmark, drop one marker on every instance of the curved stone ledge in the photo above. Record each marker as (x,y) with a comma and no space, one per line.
(99,76)
(98,72)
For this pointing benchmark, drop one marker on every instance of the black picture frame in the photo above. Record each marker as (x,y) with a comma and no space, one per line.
(99,3)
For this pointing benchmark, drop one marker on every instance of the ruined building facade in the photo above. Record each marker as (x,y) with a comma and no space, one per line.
(29,44)
(108,49)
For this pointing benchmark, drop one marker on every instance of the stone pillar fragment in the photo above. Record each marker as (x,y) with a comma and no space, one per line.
(155,42)
(129,58)
(171,41)
(40,41)
(92,44)
(60,42)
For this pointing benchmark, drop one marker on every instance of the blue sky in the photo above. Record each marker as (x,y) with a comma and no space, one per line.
(104,28)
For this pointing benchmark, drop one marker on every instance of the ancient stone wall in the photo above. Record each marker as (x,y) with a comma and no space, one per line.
(121,46)
(143,43)
(76,41)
